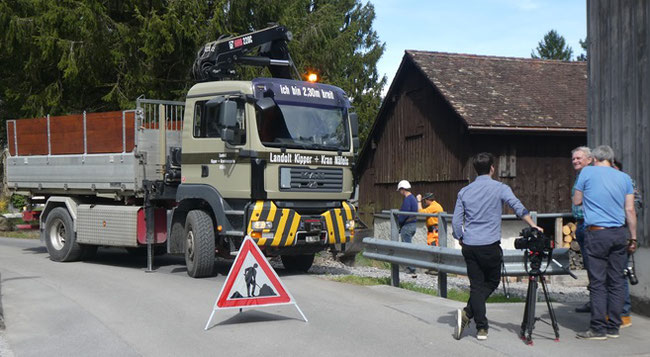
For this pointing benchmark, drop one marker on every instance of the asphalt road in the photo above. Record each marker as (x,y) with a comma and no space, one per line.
(111,307)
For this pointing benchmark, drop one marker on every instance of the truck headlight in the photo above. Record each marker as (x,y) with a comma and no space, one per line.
(261,225)
(349,225)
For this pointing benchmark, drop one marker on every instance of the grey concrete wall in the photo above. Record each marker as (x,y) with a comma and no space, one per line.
(509,231)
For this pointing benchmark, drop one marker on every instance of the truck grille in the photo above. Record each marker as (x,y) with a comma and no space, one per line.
(300,179)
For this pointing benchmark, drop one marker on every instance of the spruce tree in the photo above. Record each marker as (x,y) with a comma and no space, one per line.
(67,56)
(553,47)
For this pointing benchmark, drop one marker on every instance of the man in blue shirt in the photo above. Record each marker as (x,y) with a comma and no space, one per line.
(477,225)
(580,158)
(407,224)
(607,198)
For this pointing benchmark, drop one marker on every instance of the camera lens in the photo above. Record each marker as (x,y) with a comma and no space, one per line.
(631,276)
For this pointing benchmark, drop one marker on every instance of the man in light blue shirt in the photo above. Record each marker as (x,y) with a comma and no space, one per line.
(607,197)
(477,225)
(581,158)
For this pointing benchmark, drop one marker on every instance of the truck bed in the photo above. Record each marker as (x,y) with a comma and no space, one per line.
(89,154)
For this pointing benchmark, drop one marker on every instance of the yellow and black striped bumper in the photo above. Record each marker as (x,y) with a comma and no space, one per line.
(286,222)
(285,225)
(335,222)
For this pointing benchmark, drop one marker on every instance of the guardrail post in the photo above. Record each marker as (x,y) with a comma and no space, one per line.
(533,216)
(394,236)
(442,241)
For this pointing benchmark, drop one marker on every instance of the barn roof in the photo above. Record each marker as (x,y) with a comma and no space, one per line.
(508,93)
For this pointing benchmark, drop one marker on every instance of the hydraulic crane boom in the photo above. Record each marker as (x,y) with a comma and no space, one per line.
(216,60)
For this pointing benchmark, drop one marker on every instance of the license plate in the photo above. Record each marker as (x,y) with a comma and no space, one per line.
(312,239)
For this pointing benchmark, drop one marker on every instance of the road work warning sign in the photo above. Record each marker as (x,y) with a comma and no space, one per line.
(252,282)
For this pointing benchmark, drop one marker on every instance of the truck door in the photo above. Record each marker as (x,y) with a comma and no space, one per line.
(211,151)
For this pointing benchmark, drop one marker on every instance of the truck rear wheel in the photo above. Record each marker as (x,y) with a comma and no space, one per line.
(298,262)
(199,244)
(60,238)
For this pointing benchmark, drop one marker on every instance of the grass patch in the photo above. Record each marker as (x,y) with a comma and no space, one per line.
(452,294)
(362,280)
(361,261)
(461,295)
(31,234)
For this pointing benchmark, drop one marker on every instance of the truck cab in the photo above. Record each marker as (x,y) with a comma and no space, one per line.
(272,159)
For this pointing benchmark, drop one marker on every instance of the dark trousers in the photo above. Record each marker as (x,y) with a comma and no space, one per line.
(607,251)
(484,272)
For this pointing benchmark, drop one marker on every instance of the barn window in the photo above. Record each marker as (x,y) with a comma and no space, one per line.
(508,162)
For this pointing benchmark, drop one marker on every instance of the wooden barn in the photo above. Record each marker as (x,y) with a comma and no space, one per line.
(442,108)
(619,107)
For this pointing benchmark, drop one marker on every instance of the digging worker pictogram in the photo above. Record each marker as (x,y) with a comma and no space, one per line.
(250,276)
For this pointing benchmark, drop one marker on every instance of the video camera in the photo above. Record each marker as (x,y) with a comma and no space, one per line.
(535,241)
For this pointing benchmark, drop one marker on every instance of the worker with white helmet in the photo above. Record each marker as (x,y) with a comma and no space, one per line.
(407,223)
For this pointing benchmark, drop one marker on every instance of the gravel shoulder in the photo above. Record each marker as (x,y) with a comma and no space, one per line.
(327,267)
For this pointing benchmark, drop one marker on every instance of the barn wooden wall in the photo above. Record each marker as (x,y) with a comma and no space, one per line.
(619,88)
(422,140)
(544,174)
(409,146)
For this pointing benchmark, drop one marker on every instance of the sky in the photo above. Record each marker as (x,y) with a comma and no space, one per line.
(510,28)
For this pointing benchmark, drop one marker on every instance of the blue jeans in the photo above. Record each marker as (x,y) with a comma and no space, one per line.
(580,237)
(406,233)
(607,251)
(627,306)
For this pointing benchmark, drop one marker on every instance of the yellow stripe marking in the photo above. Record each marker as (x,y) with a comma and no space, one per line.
(294,229)
(278,233)
(348,211)
(341,225)
(256,215)
(271,215)
(330,227)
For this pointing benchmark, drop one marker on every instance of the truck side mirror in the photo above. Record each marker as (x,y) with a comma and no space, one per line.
(354,124)
(265,104)
(214,102)
(228,120)
(228,114)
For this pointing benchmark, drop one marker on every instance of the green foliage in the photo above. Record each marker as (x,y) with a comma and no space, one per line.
(24,234)
(67,56)
(553,47)
(583,56)
(18,201)
(361,261)
(361,280)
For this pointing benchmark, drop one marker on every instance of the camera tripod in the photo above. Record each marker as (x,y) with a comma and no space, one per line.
(528,324)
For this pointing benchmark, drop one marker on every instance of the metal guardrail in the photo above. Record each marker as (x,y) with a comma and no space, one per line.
(449,260)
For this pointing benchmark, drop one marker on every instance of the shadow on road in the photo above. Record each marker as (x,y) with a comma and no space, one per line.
(508,317)
(119,257)
(20,278)
(249,316)
(36,250)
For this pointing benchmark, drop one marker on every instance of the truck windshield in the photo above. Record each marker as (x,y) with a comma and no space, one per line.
(305,127)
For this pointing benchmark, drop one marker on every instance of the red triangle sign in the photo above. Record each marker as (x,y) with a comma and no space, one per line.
(252,281)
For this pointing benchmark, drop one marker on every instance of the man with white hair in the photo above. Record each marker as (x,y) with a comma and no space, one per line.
(580,158)
(607,197)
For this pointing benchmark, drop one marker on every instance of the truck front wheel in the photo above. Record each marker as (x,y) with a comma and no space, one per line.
(298,262)
(199,244)
(60,238)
